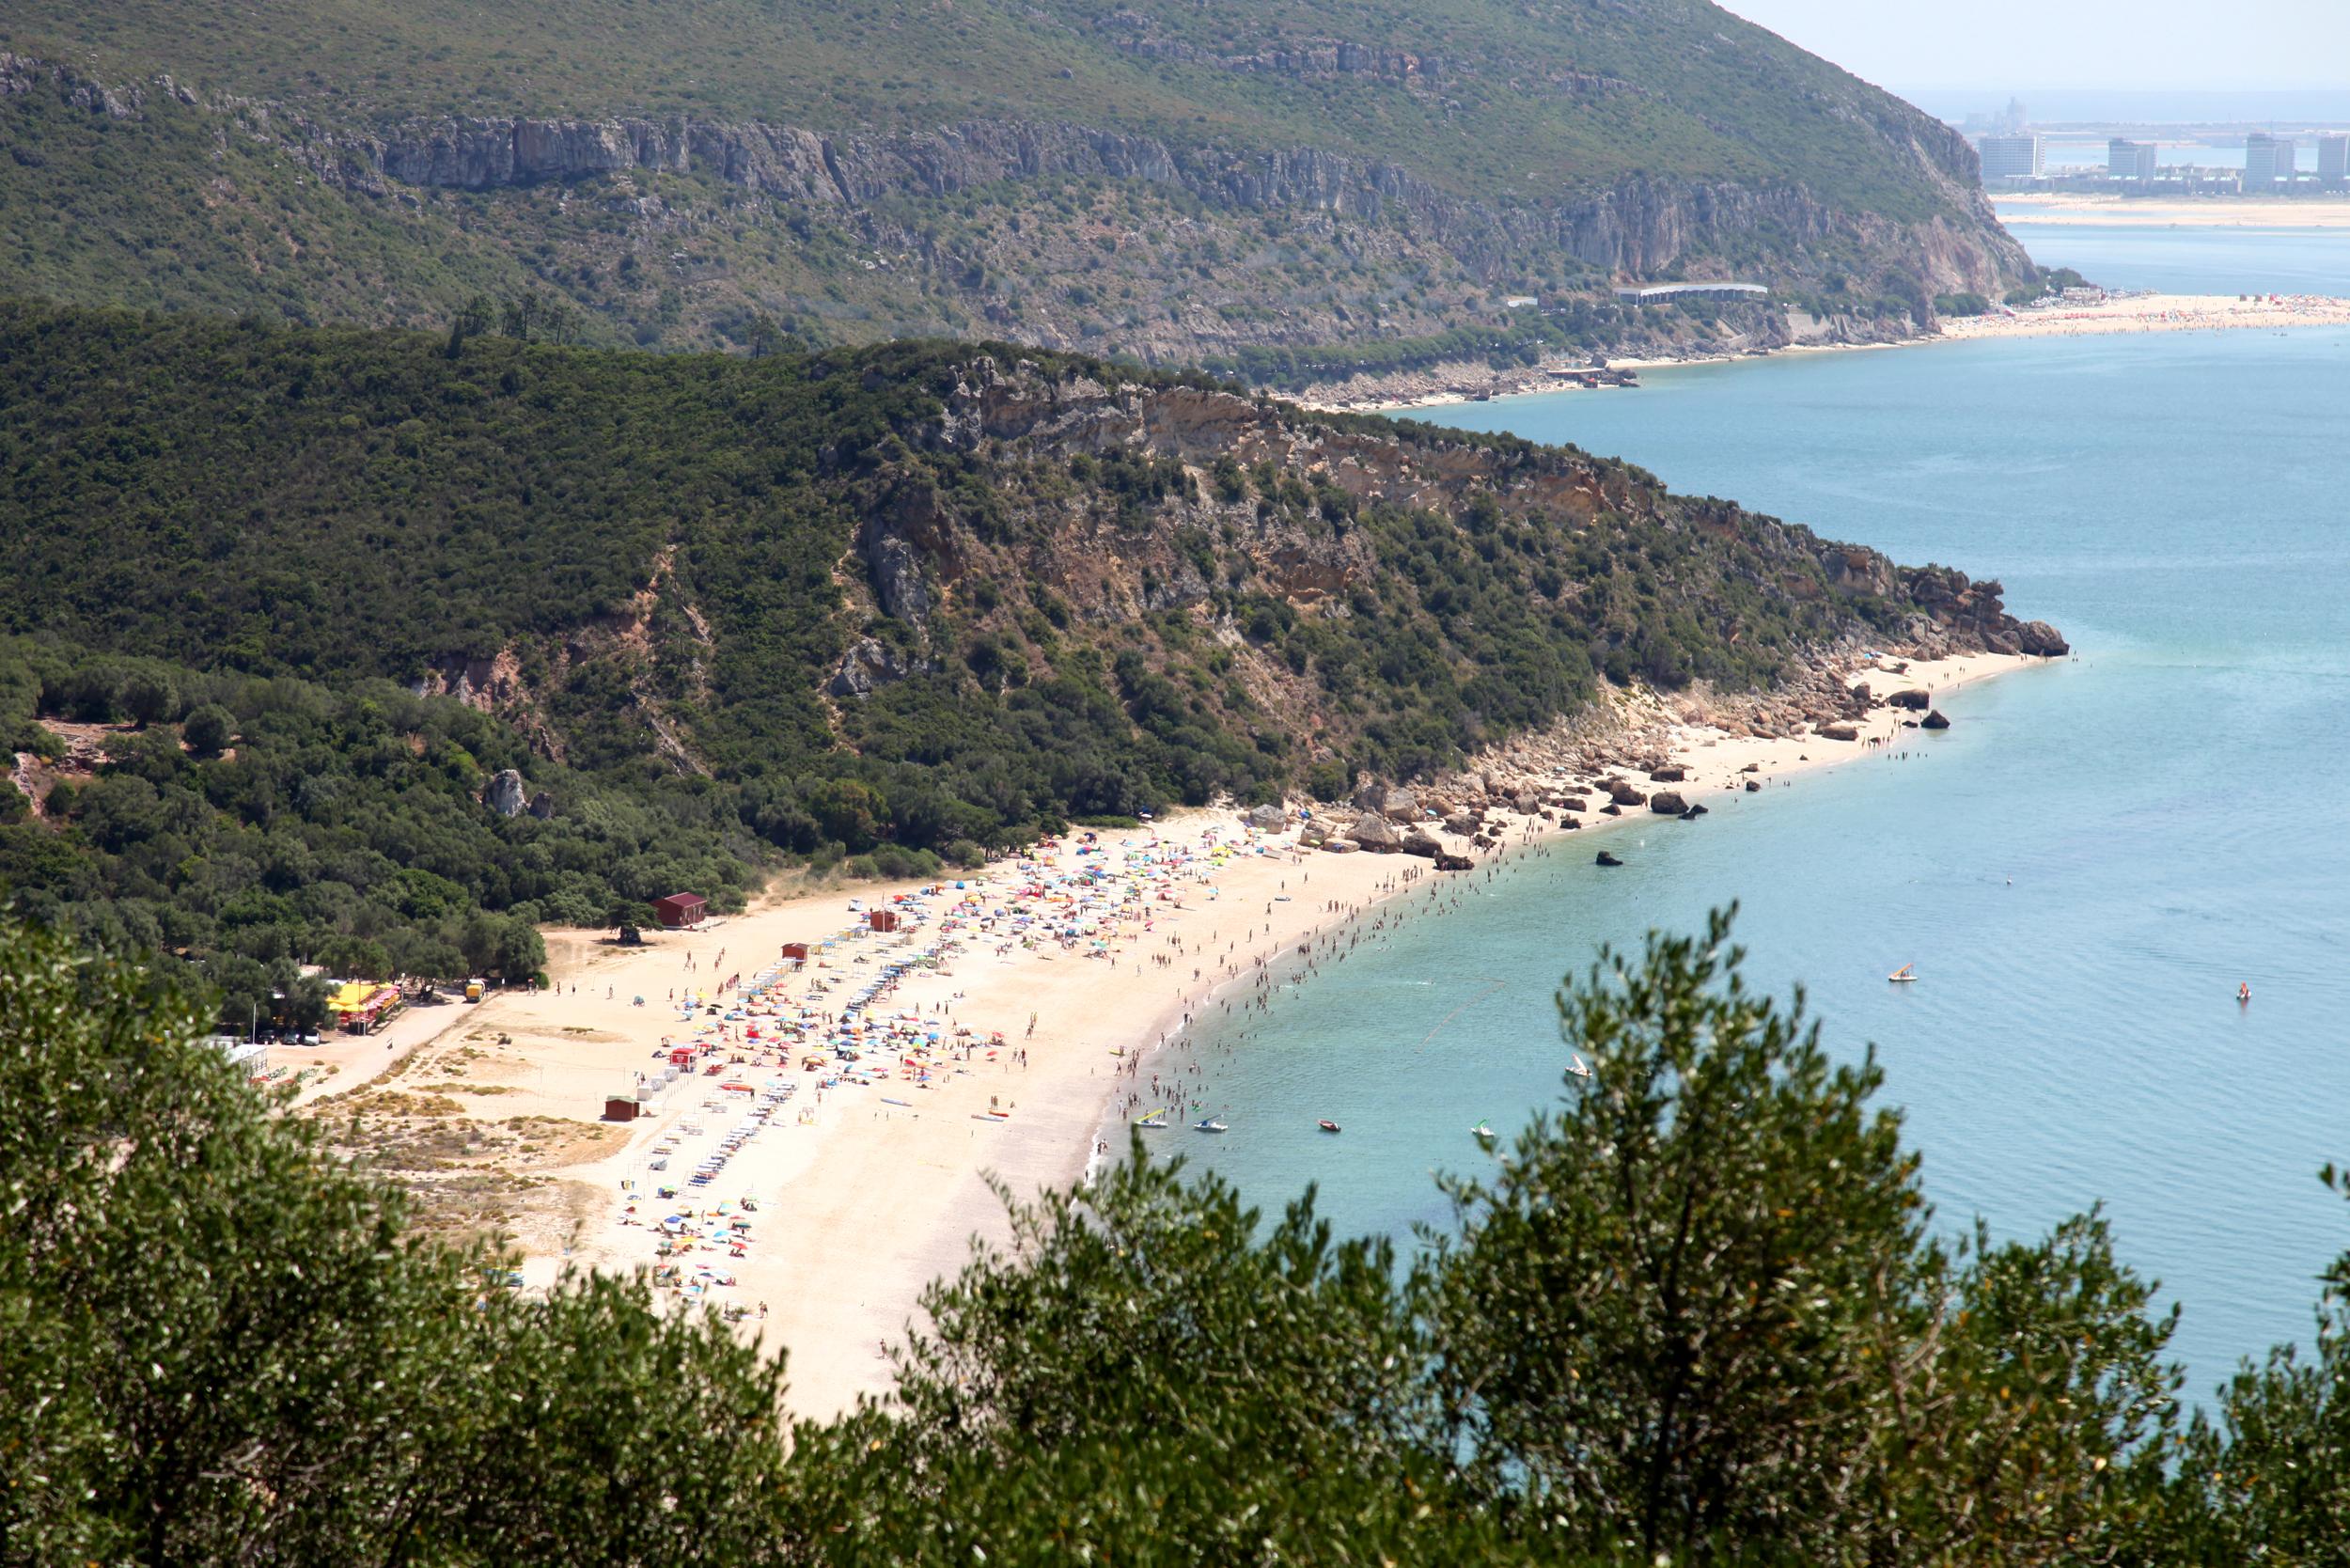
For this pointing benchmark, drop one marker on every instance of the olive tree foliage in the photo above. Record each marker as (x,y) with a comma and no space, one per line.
(1147,1371)
(1699,1311)
(220,1347)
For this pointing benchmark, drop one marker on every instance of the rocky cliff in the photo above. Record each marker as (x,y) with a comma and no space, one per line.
(1172,237)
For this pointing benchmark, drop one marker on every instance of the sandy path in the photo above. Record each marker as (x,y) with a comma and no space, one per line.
(862,1201)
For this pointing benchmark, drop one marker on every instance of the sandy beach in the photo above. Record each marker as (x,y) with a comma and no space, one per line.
(2158,313)
(844,1187)
(2137,314)
(2216,212)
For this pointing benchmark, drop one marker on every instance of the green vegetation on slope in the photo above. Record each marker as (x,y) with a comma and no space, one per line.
(656,571)
(1702,1317)
(1171,183)
(1523,100)
(258,822)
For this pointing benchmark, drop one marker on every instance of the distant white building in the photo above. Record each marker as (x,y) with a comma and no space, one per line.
(249,1053)
(1655,293)
(2267,160)
(2333,159)
(2129,160)
(2023,157)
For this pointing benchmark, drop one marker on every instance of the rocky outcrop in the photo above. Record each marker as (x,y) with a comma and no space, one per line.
(1376,833)
(1668,803)
(1640,226)
(1912,699)
(1421,845)
(867,664)
(1392,801)
(505,794)
(1268,818)
(1839,732)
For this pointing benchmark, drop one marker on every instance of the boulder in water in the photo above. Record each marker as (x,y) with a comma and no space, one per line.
(1667,803)
(1606,859)
(1754,786)
(1935,721)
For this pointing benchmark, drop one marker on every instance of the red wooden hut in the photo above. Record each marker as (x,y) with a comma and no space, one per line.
(679,910)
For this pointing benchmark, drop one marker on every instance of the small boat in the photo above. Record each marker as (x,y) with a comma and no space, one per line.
(1576,1066)
(1327,1126)
(1905,975)
(1482,1130)
(1210,1124)
(1152,1120)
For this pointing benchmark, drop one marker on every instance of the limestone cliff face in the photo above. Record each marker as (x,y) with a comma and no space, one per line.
(1637,229)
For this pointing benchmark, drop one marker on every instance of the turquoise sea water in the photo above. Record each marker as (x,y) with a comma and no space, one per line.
(2083,869)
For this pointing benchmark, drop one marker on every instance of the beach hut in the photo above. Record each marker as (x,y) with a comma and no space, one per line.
(620,1107)
(795,952)
(679,910)
(884,919)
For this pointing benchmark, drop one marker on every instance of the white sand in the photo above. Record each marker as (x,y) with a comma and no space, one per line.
(862,1202)
(2215,212)
(2159,313)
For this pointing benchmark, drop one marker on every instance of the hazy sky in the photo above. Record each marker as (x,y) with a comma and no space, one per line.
(2022,44)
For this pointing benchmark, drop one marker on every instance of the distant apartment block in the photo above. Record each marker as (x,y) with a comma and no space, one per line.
(2333,159)
(2014,158)
(2267,160)
(2129,160)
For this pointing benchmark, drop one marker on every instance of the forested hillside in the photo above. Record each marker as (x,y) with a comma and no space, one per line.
(896,603)
(1174,182)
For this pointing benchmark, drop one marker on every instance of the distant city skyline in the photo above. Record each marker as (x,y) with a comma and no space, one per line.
(2002,46)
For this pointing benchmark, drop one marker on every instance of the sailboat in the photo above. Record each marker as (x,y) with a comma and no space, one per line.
(1482,1130)
(1576,1065)
(1152,1120)
(1906,974)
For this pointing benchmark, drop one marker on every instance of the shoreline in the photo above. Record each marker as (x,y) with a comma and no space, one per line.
(865,1193)
(2139,314)
(2096,209)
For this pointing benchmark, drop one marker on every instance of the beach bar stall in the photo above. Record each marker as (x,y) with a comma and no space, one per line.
(678,911)
(883,919)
